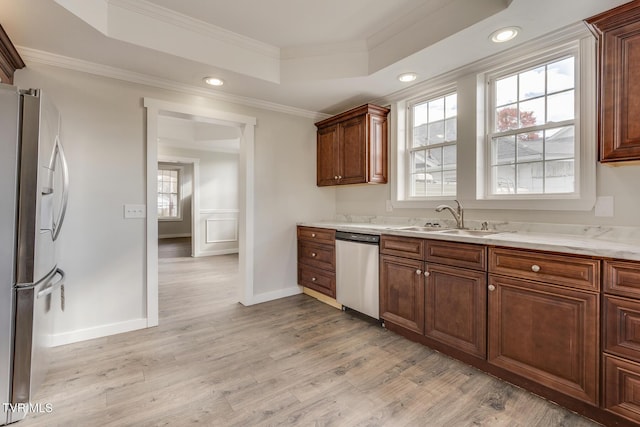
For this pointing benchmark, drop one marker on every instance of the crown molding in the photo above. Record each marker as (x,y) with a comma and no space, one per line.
(60,61)
(172,17)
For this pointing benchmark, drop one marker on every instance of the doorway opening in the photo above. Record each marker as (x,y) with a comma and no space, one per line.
(243,126)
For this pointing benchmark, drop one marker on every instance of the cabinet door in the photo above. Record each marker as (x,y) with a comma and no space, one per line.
(378,162)
(327,156)
(402,292)
(353,151)
(619,44)
(548,334)
(456,308)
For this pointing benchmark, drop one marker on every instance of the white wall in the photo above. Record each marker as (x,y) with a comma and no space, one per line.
(104,137)
(182,227)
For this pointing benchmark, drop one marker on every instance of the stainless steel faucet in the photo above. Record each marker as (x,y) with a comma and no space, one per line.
(458,214)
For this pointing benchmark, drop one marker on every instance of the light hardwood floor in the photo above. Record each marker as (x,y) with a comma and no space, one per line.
(293,361)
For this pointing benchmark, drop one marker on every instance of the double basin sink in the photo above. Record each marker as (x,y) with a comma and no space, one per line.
(451,231)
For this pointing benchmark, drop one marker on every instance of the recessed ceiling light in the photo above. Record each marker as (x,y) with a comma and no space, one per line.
(407,77)
(213,81)
(504,34)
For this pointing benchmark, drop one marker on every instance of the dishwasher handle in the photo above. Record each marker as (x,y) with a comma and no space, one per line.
(358,237)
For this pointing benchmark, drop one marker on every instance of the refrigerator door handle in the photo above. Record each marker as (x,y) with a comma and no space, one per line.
(53,286)
(59,151)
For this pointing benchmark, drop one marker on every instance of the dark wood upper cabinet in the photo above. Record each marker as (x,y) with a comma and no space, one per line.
(10,60)
(352,147)
(618,34)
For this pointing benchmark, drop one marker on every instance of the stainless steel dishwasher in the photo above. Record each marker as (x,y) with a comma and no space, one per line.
(357,272)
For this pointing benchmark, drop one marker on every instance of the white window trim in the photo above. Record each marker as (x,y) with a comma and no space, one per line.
(425,97)
(472,77)
(180,170)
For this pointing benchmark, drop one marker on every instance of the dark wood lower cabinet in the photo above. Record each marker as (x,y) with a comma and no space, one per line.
(622,387)
(402,292)
(549,334)
(456,302)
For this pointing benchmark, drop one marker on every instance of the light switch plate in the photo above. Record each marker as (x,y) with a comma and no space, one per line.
(604,206)
(135,211)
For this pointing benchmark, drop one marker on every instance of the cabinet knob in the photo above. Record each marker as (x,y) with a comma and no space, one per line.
(335,177)
(313,234)
(339,176)
(313,279)
(535,268)
(418,271)
(491,287)
(313,254)
(427,274)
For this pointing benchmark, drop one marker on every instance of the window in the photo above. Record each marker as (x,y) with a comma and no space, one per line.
(532,141)
(169,193)
(432,147)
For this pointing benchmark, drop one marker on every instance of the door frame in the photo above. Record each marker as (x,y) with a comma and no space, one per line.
(246,125)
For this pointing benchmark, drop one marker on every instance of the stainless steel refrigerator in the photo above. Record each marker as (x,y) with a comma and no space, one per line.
(34,184)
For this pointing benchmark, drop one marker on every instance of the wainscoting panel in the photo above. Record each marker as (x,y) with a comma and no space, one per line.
(219,232)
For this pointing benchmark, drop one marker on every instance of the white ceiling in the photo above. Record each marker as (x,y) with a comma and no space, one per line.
(316,56)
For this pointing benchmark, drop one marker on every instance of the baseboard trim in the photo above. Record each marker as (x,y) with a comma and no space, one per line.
(273,295)
(97,332)
(217,252)
(173,236)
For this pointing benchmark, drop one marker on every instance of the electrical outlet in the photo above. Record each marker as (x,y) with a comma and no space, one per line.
(135,211)
(389,206)
(604,206)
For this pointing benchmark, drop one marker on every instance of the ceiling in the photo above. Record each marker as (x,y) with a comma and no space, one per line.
(306,55)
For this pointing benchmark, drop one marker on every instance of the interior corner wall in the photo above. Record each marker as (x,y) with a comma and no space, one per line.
(181,227)
(103,131)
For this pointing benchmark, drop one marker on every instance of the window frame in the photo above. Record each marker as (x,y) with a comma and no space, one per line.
(180,173)
(514,68)
(425,97)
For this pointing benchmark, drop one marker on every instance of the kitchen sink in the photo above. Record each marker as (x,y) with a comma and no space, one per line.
(463,232)
(425,228)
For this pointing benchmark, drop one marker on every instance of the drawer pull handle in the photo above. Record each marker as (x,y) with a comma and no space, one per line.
(313,234)
(335,177)
(313,254)
(427,274)
(313,279)
(491,288)
(535,268)
(418,271)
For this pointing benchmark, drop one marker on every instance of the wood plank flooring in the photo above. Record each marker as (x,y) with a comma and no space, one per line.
(293,361)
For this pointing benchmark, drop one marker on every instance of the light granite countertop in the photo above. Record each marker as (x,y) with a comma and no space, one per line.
(605,242)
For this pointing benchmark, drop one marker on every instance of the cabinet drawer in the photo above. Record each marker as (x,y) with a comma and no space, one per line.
(406,247)
(322,281)
(319,235)
(622,278)
(567,270)
(622,387)
(457,254)
(320,256)
(622,327)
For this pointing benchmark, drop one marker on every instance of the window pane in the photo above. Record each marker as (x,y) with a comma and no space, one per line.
(560,176)
(532,113)
(506,91)
(560,143)
(507,118)
(434,159)
(449,183)
(449,157)
(166,187)
(451,106)
(436,132)
(503,150)
(436,110)
(434,184)
(561,106)
(450,129)
(417,161)
(420,135)
(532,83)
(560,75)
(418,185)
(530,179)
(420,114)
(529,149)
(504,179)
